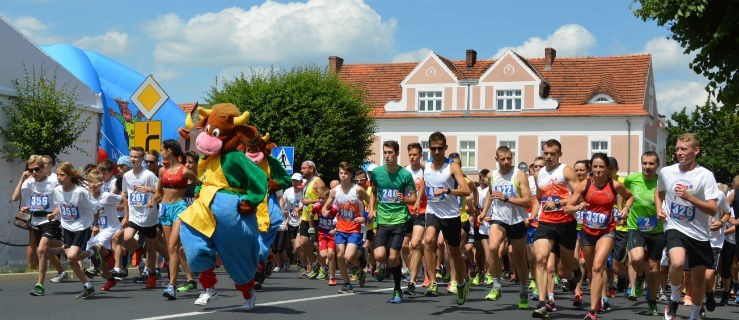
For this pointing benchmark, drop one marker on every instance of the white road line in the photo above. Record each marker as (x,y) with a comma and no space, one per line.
(273,303)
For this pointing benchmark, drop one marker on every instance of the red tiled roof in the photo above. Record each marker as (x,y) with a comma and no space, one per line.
(573,82)
(187,107)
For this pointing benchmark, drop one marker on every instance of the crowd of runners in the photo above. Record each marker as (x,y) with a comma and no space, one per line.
(663,234)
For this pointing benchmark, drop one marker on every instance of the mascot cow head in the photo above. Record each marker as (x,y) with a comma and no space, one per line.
(223,129)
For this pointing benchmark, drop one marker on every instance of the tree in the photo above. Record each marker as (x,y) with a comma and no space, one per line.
(708,28)
(325,119)
(717,129)
(42,118)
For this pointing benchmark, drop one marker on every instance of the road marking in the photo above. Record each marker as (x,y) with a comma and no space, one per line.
(266,304)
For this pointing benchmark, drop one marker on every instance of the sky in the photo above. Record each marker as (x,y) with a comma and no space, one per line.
(189,46)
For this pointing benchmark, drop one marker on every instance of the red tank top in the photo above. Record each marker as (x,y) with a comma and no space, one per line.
(598,217)
(174,181)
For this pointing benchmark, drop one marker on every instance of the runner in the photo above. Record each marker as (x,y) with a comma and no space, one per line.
(104,227)
(507,199)
(596,198)
(326,231)
(557,229)
(468,204)
(582,171)
(290,204)
(481,240)
(349,198)
(307,237)
(717,238)
(645,230)
(685,199)
(120,271)
(414,235)
(444,184)
(392,190)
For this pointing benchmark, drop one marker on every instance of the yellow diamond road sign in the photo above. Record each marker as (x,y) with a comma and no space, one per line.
(149,97)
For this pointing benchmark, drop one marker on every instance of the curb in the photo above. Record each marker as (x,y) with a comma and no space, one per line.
(33,276)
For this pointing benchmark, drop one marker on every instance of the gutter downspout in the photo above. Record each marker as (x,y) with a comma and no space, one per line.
(469,83)
(628,146)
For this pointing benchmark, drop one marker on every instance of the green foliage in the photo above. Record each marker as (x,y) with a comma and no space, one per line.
(717,128)
(42,119)
(307,107)
(709,29)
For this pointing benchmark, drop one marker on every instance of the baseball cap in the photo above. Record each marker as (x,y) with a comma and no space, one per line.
(523,166)
(297,176)
(125,160)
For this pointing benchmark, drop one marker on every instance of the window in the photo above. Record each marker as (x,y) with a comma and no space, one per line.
(601,98)
(429,101)
(425,154)
(598,146)
(467,154)
(508,100)
(511,144)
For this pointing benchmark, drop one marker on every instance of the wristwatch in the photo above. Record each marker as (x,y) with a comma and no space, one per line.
(449,191)
(505,198)
(557,203)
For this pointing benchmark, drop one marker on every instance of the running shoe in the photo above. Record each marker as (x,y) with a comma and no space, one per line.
(404,272)
(638,286)
(611,292)
(276,269)
(591,316)
(433,290)
(671,310)
(627,293)
(322,274)
(258,286)
(190,285)
(710,301)
(662,296)
(313,271)
(451,287)
(250,303)
(410,289)
(60,277)
(534,296)
(397,297)
(170,293)
(362,278)
(462,290)
(95,257)
(577,301)
(652,309)
(523,300)
(91,272)
(556,278)
(109,284)
(426,282)
(687,300)
(631,295)
(476,281)
(86,293)
(346,288)
(489,279)
(439,275)
(551,306)
(207,295)
(724,298)
(447,276)
(332,282)
(151,281)
(354,274)
(532,285)
(702,314)
(117,274)
(605,306)
(541,311)
(38,290)
(381,272)
(304,274)
(494,294)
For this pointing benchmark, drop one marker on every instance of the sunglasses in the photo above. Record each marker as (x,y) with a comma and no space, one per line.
(538,166)
(437,148)
(150,161)
(36,169)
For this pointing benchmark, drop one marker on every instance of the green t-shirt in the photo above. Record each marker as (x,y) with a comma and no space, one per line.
(389,210)
(643,213)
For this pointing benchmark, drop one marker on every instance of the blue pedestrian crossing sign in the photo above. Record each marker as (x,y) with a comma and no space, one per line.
(286,157)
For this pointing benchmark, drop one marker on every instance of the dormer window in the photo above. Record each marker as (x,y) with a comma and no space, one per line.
(601,98)
(430,101)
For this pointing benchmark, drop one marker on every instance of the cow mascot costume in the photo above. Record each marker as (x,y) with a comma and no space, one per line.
(269,213)
(222,218)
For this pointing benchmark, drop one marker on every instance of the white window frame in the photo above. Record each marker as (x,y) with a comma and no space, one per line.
(514,150)
(461,139)
(513,98)
(425,151)
(432,99)
(606,139)
(601,98)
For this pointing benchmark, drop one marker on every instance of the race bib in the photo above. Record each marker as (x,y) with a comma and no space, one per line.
(506,190)
(551,198)
(346,214)
(39,202)
(430,191)
(69,212)
(578,216)
(389,196)
(682,213)
(646,224)
(102,222)
(138,199)
(105,188)
(595,220)
(189,200)
(162,210)
(326,223)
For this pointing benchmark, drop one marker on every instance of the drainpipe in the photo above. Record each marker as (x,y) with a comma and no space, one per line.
(628,145)
(469,83)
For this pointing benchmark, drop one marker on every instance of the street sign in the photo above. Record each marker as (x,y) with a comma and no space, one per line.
(286,156)
(149,97)
(148,135)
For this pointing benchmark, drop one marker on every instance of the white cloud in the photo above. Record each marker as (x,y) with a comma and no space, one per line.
(569,41)
(674,94)
(668,56)
(111,43)
(33,29)
(412,56)
(273,33)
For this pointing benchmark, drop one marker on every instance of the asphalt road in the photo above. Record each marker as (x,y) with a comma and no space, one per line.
(286,297)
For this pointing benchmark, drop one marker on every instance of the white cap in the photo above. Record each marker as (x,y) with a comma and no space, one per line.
(297,176)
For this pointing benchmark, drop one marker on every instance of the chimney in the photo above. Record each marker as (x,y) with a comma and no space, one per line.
(334,64)
(549,55)
(471,58)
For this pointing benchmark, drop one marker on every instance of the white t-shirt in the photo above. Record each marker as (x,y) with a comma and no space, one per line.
(75,208)
(717,237)
(138,210)
(292,201)
(106,204)
(681,215)
(39,196)
(108,186)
